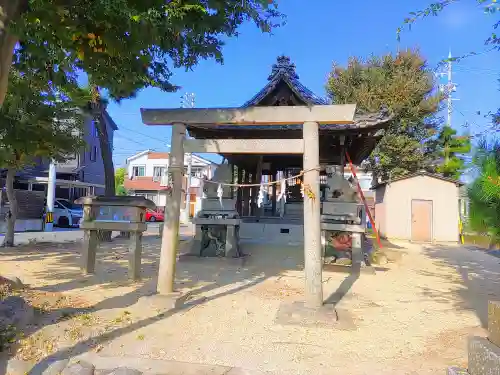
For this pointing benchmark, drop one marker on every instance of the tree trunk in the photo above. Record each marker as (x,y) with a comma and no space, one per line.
(107,158)
(9,10)
(12,214)
(109,170)
(493,242)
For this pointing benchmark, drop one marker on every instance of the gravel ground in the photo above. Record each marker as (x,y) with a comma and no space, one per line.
(412,318)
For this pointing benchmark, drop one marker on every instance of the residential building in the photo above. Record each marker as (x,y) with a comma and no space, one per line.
(147,174)
(85,169)
(365,179)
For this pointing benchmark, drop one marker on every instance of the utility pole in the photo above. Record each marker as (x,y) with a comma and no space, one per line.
(451,88)
(448,88)
(187,101)
(51,194)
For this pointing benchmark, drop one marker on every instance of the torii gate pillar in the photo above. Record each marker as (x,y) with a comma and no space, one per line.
(313,263)
(170,236)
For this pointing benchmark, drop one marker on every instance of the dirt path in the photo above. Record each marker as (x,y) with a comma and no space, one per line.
(411,319)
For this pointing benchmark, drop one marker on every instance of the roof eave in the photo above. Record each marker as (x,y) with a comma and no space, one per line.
(424,174)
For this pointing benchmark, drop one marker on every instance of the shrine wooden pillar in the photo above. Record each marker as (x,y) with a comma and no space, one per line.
(274,178)
(258,180)
(239,195)
(246,195)
(313,259)
(170,237)
(253,180)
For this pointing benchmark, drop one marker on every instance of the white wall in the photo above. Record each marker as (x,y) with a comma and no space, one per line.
(143,160)
(139,161)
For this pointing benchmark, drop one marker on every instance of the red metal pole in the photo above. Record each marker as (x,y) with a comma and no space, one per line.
(360,192)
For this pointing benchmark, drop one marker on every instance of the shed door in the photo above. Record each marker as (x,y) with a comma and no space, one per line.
(421,220)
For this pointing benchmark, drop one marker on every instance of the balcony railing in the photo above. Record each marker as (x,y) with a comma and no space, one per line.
(164,180)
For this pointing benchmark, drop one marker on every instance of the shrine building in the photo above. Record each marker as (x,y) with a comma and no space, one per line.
(284,89)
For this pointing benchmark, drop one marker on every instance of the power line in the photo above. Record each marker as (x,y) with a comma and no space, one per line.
(128,139)
(144,135)
(476,72)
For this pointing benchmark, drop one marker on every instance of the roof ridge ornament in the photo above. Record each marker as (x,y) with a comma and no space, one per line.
(284,66)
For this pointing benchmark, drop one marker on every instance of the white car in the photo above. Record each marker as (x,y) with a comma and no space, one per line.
(67,213)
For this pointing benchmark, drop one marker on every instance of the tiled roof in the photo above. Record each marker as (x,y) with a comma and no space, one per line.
(158,155)
(143,183)
(421,173)
(284,71)
(147,184)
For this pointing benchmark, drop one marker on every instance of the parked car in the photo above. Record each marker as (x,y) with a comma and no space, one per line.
(67,213)
(153,216)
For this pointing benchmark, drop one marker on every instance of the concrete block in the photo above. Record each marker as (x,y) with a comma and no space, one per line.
(56,367)
(484,357)
(125,371)
(456,371)
(79,368)
(231,241)
(494,322)
(326,316)
(251,231)
(18,367)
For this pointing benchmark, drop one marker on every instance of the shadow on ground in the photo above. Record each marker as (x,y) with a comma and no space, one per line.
(214,278)
(477,281)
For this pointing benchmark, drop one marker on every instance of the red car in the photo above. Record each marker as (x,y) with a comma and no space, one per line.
(153,216)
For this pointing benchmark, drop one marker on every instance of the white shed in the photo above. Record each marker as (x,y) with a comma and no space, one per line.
(420,207)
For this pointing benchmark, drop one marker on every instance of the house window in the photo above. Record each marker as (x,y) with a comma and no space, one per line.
(95,129)
(196,171)
(158,172)
(139,171)
(93,153)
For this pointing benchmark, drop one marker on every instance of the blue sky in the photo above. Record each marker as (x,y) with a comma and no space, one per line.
(315,36)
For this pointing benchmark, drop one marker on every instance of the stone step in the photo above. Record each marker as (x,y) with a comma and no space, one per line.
(104,364)
(494,322)
(456,371)
(484,357)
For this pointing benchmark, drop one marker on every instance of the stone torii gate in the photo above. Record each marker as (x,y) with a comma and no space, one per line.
(310,117)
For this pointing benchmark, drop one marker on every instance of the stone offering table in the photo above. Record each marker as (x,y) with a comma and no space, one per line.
(218,222)
(124,214)
(343,221)
(217,229)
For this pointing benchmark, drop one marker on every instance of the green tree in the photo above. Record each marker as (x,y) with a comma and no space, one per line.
(403,84)
(484,193)
(449,151)
(120,180)
(124,45)
(37,121)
